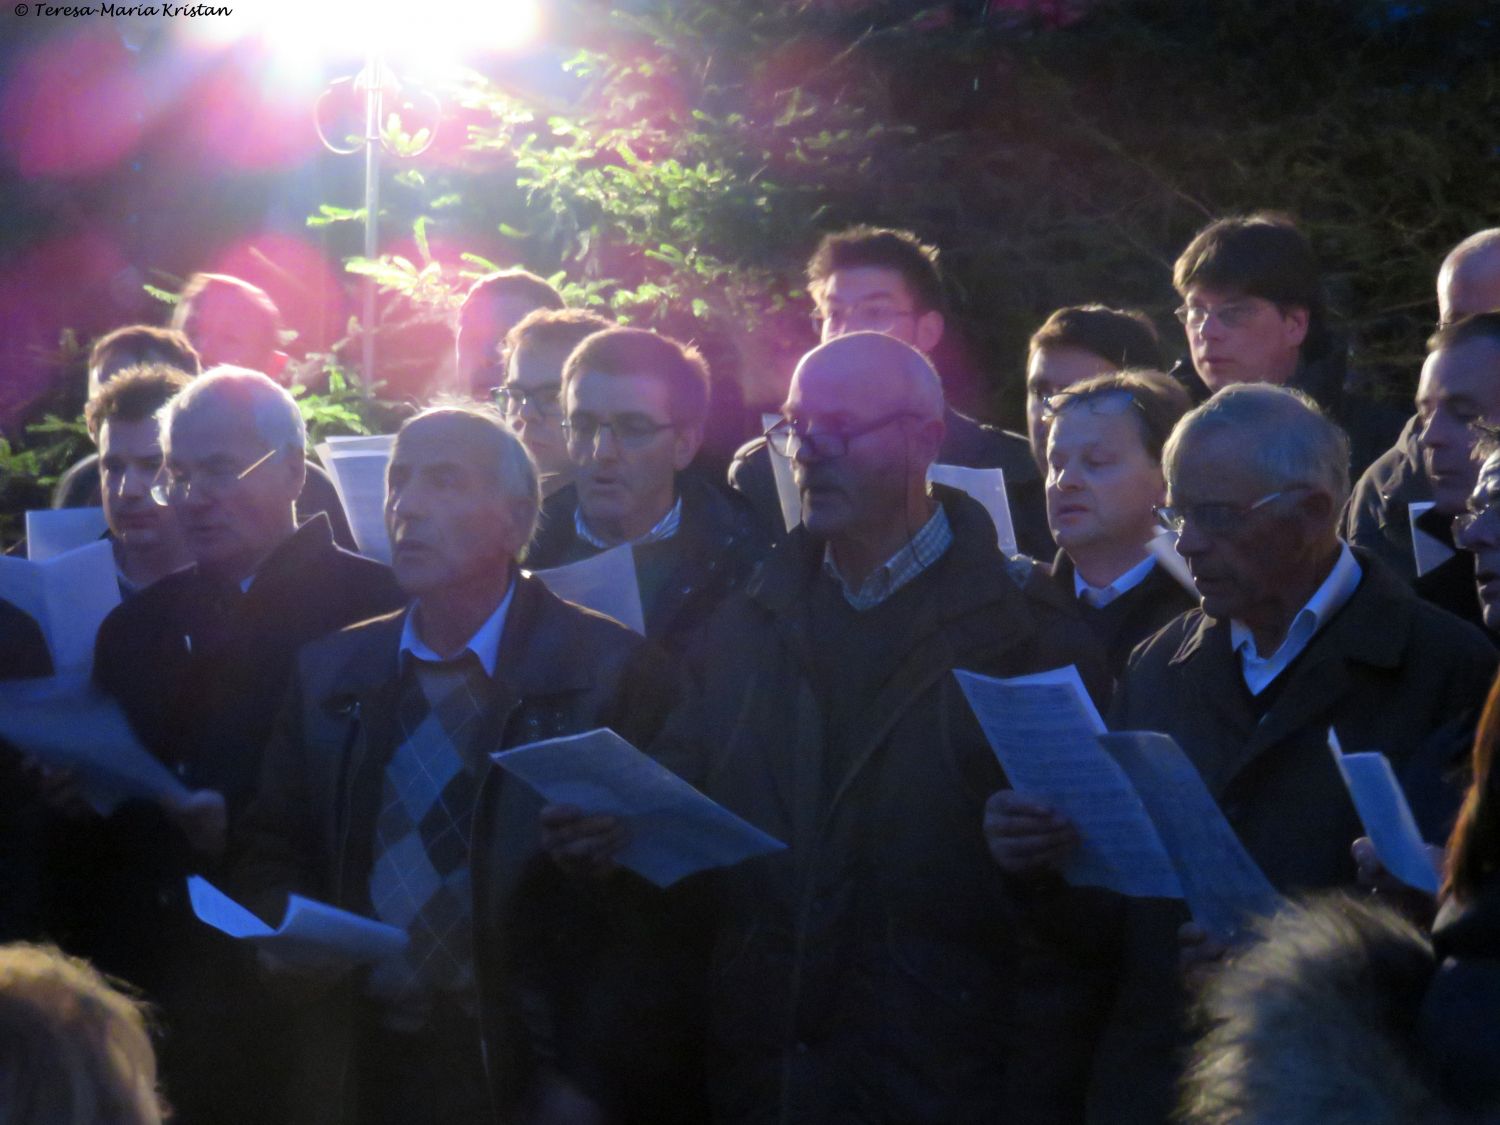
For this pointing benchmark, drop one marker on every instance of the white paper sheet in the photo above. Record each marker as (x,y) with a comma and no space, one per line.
(310,931)
(786,485)
(1223,886)
(52,531)
(68,595)
(674,829)
(1045,731)
(82,730)
(1386,815)
(1163,548)
(605,583)
(357,466)
(988,487)
(1428,551)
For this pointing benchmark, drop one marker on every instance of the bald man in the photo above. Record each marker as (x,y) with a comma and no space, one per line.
(1377,518)
(870,971)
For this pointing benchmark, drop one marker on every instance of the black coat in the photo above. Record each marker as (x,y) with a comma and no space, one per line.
(1132,617)
(965,442)
(717,545)
(871,971)
(1389,671)
(560,670)
(1377,517)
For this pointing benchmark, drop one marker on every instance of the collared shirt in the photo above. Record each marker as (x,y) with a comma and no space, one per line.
(1101,596)
(1327,600)
(484,644)
(665,528)
(921,551)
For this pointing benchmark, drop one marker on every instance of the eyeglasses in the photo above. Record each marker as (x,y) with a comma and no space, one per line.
(512,400)
(1231,314)
(1111,402)
(1214,518)
(788,436)
(632,431)
(1465,522)
(179,486)
(874,314)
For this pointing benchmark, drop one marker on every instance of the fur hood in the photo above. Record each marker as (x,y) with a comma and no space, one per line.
(1317,1022)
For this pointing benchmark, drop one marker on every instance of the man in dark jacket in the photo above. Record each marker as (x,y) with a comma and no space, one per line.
(1296,635)
(869,279)
(636,403)
(379,797)
(198,662)
(1254,312)
(871,971)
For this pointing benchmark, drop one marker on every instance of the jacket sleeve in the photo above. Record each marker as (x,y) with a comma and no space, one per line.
(272,852)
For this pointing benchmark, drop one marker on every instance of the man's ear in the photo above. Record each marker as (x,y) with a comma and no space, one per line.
(296,467)
(685,445)
(1294,321)
(928,331)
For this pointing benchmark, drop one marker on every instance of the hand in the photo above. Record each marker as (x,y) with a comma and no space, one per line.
(1198,952)
(558,1102)
(59,790)
(581,844)
(204,819)
(1026,836)
(1417,905)
(310,977)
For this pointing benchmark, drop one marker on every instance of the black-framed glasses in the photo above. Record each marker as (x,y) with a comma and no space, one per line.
(1231,314)
(875,314)
(177,486)
(512,400)
(632,431)
(1110,402)
(789,436)
(1214,518)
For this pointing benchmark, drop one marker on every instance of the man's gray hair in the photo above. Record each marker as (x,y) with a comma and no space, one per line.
(512,468)
(277,418)
(1290,441)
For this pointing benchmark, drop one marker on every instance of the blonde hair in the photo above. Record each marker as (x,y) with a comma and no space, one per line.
(74,1050)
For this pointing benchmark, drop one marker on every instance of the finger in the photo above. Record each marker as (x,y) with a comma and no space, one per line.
(561,814)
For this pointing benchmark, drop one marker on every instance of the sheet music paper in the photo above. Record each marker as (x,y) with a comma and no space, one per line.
(605,583)
(674,829)
(310,930)
(988,487)
(1386,816)
(70,726)
(1429,552)
(357,466)
(1045,731)
(52,531)
(1223,886)
(786,484)
(67,595)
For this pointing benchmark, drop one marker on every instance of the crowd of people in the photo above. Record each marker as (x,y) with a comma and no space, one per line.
(1225,550)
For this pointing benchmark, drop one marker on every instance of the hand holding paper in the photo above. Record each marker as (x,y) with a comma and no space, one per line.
(674,829)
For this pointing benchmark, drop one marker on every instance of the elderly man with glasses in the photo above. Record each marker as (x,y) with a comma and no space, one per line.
(874,970)
(1297,635)
(635,404)
(199,662)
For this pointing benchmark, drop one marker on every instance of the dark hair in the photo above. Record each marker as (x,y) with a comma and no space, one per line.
(554,328)
(142,343)
(1261,255)
(1161,398)
(253,296)
(1466,329)
(1124,337)
(511,283)
(133,395)
(882,248)
(1474,846)
(635,351)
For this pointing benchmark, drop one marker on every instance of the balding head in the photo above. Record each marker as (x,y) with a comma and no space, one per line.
(1469,280)
(880,367)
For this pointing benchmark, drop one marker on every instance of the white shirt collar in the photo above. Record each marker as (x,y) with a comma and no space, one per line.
(1326,601)
(1100,596)
(484,644)
(665,528)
